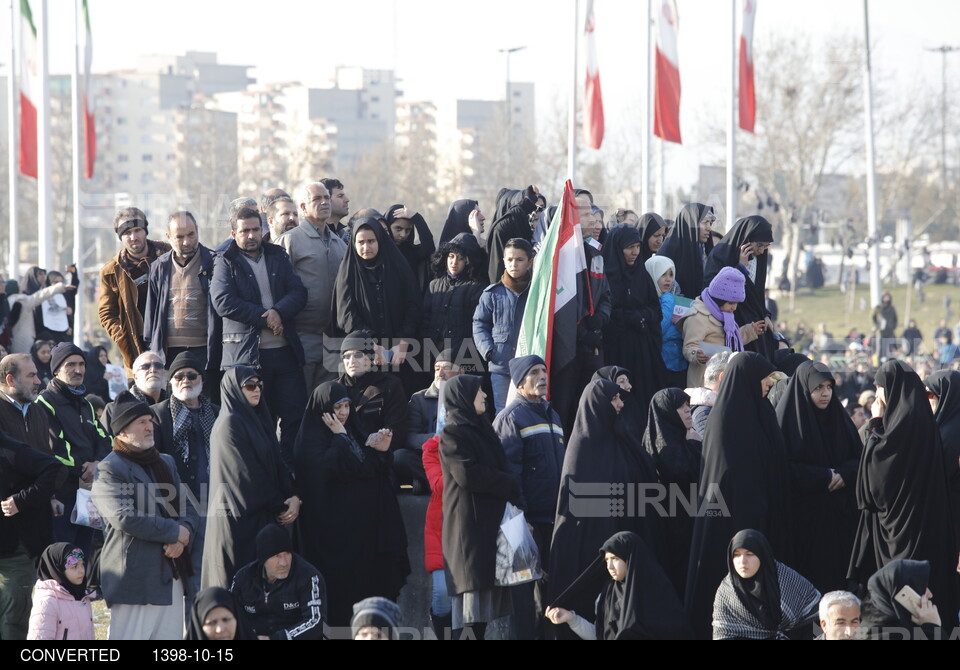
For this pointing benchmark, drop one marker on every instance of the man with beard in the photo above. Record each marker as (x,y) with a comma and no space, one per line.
(339,208)
(839,616)
(20,417)
(532,438)
(185,421)
(148,382)
(145,562)
(315,252)
(81,443)
(258,294)
(123,284)
(282,216)
(180,316)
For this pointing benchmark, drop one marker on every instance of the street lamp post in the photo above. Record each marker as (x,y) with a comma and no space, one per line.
(943,50)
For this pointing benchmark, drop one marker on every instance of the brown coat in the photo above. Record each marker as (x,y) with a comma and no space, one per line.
(119,315)
(701,326)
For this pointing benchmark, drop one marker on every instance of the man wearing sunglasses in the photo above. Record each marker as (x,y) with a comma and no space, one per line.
(123,284)
(184,423)
(148,382)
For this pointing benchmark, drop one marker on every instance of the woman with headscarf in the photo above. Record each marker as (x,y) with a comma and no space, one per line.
(637,603)
(22,301)
(884,616)
(823,454)
(376,291)
(744,248)
(54,316)
(634,416)
(217,616)
(633,338)
(464,216)
(41,352)
(677,459)
(902,489)
(944,393)
(414,240)
(351,529)
(601,451)
(250,486)
(661,271)
(653,231)
(62,607)
(510,220)
(93,378)
(761,598)
(689,245)
(743,483)
(477,484)
(459,277)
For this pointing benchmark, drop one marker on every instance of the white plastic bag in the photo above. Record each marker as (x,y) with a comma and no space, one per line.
(518,558)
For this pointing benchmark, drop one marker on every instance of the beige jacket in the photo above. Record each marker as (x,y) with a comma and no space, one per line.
(701,326)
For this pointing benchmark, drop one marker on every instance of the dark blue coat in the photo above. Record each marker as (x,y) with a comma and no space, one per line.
(158,300)
(236,298)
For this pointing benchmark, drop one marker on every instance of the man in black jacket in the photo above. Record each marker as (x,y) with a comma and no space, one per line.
(83,440)
(185,421)
(285,597)
(28,479)
(257,293)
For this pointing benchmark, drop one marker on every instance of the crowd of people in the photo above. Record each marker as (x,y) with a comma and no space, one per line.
(695,471)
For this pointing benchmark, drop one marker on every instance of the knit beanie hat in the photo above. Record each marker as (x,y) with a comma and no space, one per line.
(273,540)
(62,352)
(519,367)
(728,285)
(186,359)
(127,408)
(378,612)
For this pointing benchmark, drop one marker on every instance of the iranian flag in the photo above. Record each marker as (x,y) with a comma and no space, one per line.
(549,326)
(89,121)
(666,108)
(748,103)
(29,90)
(592,100)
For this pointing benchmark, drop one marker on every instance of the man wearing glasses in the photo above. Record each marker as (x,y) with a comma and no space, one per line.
(184,423)
(148,382)
(123,284)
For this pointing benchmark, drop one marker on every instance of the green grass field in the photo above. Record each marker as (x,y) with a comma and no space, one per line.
(829,306)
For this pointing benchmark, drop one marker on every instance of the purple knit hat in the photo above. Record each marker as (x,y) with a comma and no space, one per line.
(728,286)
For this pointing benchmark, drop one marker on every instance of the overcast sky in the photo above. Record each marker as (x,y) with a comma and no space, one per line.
(442,48)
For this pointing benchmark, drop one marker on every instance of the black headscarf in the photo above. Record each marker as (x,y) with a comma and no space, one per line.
(93,376)
(760,594)
(643,606)
(601,450)
(380,295)
(887,582)
(727,254)
(458,219)
(649,224)
(666,438)
(467,246)
(683,247)
(209,599)
(744,459)
(633,295)
(902,489)
(53,563)
(315,438)
(945,384)
(44,373)
(634,416)
(30,283)
(787,361)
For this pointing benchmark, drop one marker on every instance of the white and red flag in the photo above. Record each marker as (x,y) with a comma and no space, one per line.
(748,103)
(29,91)
(592,99)
(666,109)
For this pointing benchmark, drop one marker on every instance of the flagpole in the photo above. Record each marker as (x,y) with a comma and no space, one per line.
(14,169)
(572,112)
(874,241)
(732,122)
(44,202)
(661,196)
(78,161)
(647,116)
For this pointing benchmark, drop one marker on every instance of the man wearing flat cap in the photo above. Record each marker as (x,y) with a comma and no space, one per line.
(145,567)
(123,284)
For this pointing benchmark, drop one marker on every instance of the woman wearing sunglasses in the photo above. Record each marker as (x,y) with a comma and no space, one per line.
(250,487)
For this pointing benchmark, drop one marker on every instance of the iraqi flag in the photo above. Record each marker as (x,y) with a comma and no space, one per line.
(592,100)
(29,90)
(89,121)
(549,326)
(666,108)
(748,103)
